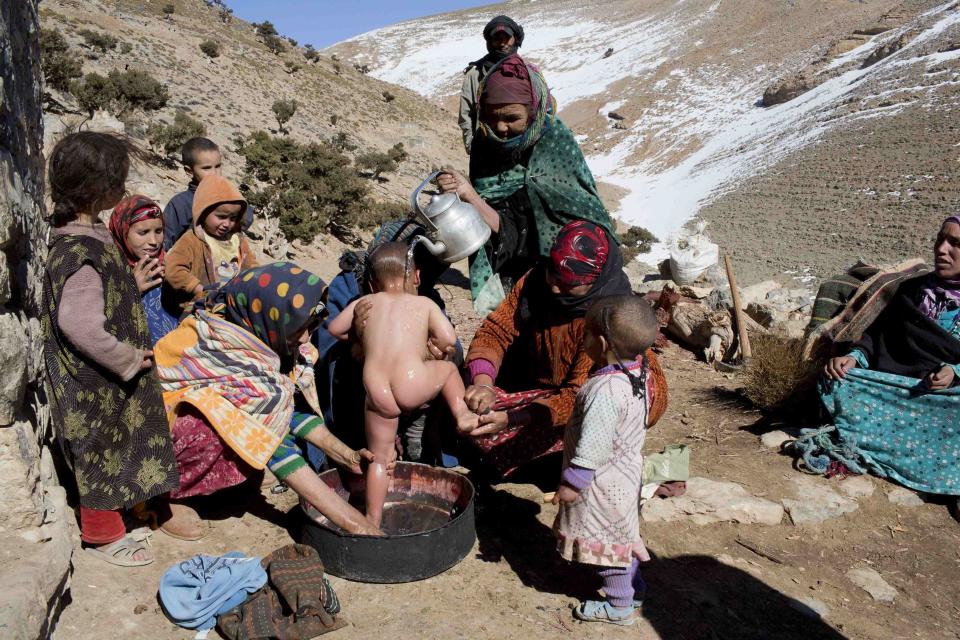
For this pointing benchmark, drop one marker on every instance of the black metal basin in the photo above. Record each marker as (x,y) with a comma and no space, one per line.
(428,518)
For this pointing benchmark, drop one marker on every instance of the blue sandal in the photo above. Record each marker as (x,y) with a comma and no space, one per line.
(603,611)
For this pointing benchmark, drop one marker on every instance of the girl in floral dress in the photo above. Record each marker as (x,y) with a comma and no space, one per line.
(598,522)
(104,397)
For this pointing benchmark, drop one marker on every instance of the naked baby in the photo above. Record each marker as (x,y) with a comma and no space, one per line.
(397,375)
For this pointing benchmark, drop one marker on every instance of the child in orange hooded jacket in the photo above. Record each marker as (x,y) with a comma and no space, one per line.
(214,251)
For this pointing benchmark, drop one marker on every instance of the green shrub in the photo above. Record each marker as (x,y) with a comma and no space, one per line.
(334,119)
(310,188)
(210,48)
(292,42)
(126,47)
(274,44)
(60,65)
(375,163)
(389,97)
(397,153)
(95,92)
(292,67)
(136,89)
(376,213)
(311,54)
(97,40)
(226,14)
(265,29)
(283,110)
(341,142)
(169,10)
(635,241)
(170,137)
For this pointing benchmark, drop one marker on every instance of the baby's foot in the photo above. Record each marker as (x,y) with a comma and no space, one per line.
(467,421)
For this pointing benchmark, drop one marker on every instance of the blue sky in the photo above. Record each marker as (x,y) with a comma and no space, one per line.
(325,22)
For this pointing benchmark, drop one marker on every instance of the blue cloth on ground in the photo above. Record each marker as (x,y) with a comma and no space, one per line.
(194,592)
(898,428)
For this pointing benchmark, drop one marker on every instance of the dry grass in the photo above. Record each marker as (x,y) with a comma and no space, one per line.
(778,378)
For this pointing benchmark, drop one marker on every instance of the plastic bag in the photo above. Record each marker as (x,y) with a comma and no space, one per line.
(692,253)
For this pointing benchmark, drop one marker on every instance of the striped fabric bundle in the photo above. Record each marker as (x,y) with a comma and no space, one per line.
(232,378)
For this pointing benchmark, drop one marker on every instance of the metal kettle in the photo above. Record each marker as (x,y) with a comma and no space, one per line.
(455,228)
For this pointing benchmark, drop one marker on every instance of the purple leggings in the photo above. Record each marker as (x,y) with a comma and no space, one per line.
(622,583)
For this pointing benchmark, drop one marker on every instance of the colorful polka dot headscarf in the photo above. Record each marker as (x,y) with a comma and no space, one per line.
(274,302)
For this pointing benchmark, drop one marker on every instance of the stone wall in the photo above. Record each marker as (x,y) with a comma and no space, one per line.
(35,521)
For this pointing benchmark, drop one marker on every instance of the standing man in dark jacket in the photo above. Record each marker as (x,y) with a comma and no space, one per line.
(503,36)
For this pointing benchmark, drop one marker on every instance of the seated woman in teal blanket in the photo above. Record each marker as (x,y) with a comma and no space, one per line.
(895,396)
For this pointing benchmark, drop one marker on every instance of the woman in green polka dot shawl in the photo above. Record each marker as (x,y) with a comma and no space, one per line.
(229,374)
(529,179)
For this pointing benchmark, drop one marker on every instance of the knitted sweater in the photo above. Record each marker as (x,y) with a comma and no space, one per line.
(538,354)
(80,314)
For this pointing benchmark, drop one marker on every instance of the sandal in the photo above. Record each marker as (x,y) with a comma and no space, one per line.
(603,611)
(121,552)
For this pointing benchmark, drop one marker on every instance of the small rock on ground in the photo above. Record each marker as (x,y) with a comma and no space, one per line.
(858,487)
(774,439)
(873,583)
(816,501)
(904,497)
(708,501)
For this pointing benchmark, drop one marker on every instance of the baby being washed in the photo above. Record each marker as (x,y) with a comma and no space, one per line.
(396,375)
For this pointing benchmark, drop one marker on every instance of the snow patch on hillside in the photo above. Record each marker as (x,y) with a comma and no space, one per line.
(738,138)
(701,136)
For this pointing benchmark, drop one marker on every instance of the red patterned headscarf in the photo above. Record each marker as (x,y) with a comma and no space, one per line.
(578,254)
(509,83)
(127,213)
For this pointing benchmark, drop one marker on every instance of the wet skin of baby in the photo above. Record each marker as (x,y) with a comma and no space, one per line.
(397,376)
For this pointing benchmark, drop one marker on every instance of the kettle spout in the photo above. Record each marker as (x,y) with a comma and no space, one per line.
(435,248)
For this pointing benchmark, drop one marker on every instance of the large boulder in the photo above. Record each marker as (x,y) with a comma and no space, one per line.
(788,89)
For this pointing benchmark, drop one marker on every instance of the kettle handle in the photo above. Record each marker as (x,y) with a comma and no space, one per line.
(415,206)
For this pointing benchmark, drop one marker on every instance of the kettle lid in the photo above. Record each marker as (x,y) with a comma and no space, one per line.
(440,203)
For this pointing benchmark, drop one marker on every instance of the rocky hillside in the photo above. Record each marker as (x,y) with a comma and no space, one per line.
(793,127)
(233,93)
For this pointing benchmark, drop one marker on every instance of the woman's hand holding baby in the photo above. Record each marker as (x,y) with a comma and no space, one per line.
(434,351)
(361,313)
(148,273)
(363,457)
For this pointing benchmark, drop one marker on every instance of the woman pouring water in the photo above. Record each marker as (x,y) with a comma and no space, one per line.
(528,178)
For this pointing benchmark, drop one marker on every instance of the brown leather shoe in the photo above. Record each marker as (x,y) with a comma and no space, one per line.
(184,523)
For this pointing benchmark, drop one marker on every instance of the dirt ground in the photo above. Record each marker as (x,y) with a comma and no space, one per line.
(703,583)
